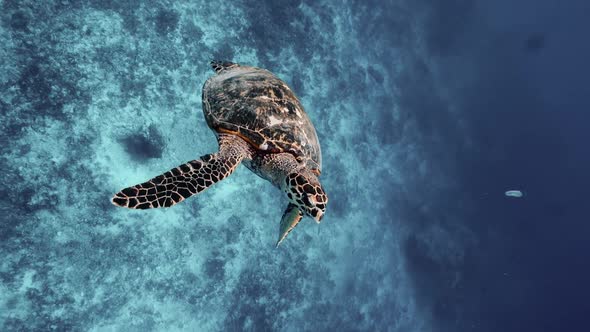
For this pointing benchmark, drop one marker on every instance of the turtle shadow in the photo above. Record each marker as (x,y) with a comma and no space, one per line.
(144,146)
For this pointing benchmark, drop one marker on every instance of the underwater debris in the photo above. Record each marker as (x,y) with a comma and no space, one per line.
(534,43)
(514,193)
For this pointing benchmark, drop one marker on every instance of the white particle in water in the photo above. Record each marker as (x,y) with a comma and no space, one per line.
(514,193)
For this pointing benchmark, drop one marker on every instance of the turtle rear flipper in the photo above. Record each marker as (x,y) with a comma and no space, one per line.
(187,179)
(218,66)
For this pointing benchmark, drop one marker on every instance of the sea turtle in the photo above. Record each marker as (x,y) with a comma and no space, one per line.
(259,121)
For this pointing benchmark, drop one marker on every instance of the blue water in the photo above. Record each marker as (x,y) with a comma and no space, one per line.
(427,113)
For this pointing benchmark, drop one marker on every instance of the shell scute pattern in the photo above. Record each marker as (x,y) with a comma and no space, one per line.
(259,107)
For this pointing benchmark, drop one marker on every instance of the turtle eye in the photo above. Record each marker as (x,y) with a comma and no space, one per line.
(309,189)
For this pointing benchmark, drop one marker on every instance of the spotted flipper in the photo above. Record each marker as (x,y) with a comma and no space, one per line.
(291,217)
(218,66)
(185,180)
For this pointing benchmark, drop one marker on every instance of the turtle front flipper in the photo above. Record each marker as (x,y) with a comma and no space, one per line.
(187,179)
(291,217)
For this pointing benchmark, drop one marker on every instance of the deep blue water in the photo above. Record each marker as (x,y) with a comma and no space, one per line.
(426,111)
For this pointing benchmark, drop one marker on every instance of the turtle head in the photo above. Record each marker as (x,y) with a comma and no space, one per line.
(305,191)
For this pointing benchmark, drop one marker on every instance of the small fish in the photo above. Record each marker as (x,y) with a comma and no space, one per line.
(514,193)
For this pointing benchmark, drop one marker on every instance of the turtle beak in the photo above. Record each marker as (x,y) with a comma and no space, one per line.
(318,219)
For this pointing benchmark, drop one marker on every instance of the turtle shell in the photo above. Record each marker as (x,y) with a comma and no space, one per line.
(259,107)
